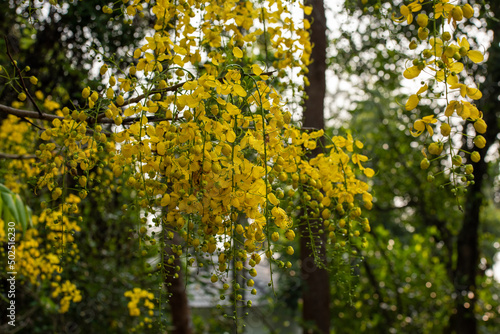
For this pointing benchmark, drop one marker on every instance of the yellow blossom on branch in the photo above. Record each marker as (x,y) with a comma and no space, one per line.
(423,124)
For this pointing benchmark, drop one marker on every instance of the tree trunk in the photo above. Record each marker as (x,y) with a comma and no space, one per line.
(464,321)
(316,289)
(179,306)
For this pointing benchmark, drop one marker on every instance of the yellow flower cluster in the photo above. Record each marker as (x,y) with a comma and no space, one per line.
(35,263)
(135,296)
(68,293)
(38,262)
(444,60)
(201,135)
(16,137)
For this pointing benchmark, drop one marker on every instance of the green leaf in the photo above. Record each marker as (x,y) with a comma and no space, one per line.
(7,217)
(21,212)
(4,189)
(10,206)
(1,206)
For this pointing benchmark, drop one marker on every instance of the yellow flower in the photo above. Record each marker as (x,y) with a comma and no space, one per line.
(423,124)
(464,50)
(443,9)
(471,92)
(407,12)
(415,98)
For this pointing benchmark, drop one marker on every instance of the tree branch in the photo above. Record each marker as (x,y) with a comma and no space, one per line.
(28,113)
(17,156)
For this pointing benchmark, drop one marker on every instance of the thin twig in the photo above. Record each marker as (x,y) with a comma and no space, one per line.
(20,76)
(17,156)
(133,119)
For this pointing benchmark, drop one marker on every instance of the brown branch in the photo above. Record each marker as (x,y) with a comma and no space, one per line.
(28,113)
(132,119)
(49,117)
(21,76)
(140,97)
(17,156)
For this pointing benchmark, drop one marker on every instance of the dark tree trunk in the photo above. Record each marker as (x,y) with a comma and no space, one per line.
(316,289)
(466,269)
(179,306)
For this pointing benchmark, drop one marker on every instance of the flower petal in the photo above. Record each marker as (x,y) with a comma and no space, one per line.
(237,52)
(412,102)
(411,72)
(475,56)
(474,93)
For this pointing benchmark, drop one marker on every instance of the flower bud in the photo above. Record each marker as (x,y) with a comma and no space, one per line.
(290,235)
(119,100)
(469,169)
(94,96)
(456,160)
(457,13)
(424,164)
(462,51)
(436,148)
(480,125)
(86,92)
(422,20)
(445,129)
(103,69)
(427,53)
(446,36)
(423,33)
(468,11)
(450,50)
(479,141)
(475,156)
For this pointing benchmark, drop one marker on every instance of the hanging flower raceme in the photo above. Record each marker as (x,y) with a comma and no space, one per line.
(445,60)
(203,140)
